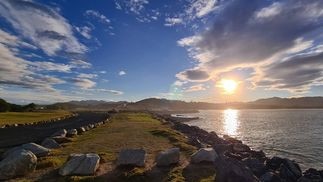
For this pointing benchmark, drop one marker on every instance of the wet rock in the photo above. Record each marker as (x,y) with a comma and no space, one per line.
(231,139)
(204,155)
(269,177)
(168,157)
(71,133)
(80,164)
(239,147)
(223,148)
(131,157)
(311,175)
(286,174)
(231,170)
(50,143)
(274,163)
(293,167)
(18,163)
(256,166)
(61,133)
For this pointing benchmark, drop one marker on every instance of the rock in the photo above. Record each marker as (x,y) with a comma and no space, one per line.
(168,157)
(50,143)
(18,163)
(222,148)
(274,163)
(36,149)
(231,139)
(131,157)
(269,177)
(195,142)
(286,174)
(60,139)
(61,133)
(239,147)
(204,155)
(231,170)
(257,167)
(81,130)
(311,175)
(80,164)
(293,167)
(71,133)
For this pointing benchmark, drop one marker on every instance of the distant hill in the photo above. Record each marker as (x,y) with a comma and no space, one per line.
(8,107)
(156,104)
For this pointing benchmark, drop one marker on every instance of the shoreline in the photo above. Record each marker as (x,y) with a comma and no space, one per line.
(237,156)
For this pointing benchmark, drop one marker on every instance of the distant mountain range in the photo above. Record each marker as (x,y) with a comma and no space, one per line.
(156,104)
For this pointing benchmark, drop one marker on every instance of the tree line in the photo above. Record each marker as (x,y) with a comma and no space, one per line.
(8,107)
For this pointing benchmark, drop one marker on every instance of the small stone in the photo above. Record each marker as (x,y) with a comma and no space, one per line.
(71,133)
(61,133)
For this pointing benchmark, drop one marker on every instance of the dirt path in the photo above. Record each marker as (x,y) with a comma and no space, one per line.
(33,133)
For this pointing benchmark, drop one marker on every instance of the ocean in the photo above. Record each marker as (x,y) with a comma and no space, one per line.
(296,134)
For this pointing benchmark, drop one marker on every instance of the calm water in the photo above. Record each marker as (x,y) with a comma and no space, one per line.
(293,133)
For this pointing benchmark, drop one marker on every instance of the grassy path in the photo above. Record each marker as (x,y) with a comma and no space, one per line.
(126,130)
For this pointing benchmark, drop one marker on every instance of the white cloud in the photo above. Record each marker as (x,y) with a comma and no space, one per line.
(122,73)
(102,18)
(115,92)
(200,8)
(195,88)
(84,75)
(269,11)
(172,21)
(80,64)
(85,31)
(42,25)
(83,83)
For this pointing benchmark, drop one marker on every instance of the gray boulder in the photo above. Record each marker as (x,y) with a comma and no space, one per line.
(131,157)
(239,147)
(36,149)
(60,139)
(81,130)
(71,133)
(269,177)
(18,163)
(80,164)
(204,155)
(168,157)
(256,166)
(61,133)
(50,143)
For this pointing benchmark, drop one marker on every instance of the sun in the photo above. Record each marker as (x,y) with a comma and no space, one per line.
(229,86)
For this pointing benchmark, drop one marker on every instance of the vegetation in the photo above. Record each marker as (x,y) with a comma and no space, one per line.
(28,117)
(7,107)
(125,130)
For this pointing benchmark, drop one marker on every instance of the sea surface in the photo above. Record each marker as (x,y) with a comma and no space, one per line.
(293,133)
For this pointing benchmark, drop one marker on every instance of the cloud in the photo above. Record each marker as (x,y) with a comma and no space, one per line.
(134,6)
(80,64)
(172,21)
(115,92)
(122,73)
(256,34)
(83,83)
(84,75)
(102,18)
(200,8)
(85,31)
(195,88)
(43,26)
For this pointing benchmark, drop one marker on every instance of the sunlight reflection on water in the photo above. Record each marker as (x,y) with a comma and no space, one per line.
(231,122)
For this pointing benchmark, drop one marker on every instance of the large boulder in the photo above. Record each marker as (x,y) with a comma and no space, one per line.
(71,133)
(131,157)
(61,133)
(204,155)
(239,147)
(311,175)
(61,139)
(36,149)
(269,177)
(168,157)
(80,164)
(50,143)
(18,163)
(257,167)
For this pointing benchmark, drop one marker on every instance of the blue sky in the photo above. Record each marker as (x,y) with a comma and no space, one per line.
(54,51)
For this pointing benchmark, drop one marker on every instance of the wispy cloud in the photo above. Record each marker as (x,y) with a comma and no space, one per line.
(195,88)
(122,73)
(102,18)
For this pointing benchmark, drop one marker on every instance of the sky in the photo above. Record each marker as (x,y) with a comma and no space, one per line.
(112,50)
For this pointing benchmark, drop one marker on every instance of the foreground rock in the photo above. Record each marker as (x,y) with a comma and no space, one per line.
(71,133)
(132,157)
(204,155)
(36,149)
(60,139)
(168,157)
(61,133)
(18,163)
(50,143)
(80,164)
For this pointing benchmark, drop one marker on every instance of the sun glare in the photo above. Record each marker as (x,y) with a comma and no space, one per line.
(229,86)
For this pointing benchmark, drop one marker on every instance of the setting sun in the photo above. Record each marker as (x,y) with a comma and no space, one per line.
(229,86)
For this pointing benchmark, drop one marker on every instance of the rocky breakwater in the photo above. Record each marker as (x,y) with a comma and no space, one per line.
(238,162)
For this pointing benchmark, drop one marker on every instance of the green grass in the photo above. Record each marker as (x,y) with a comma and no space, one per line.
(28,117)
(126,130)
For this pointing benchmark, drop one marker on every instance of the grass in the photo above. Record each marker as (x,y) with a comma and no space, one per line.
(126,130)
(28,117)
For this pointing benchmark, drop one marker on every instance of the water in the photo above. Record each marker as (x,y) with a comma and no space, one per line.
(293,133)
